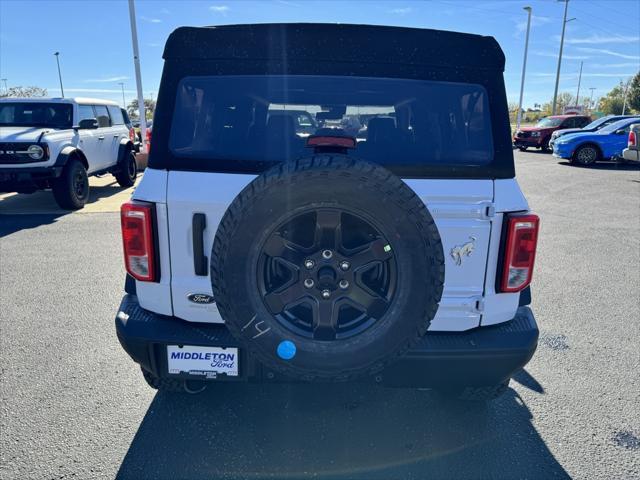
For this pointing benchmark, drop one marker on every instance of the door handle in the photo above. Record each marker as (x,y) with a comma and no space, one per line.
(198,226)
(101,138)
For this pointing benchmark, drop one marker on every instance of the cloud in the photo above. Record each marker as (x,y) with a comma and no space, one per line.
(154,45)
(603,51)
(150,20)
(289,4)
(107,80)
(564,56)
(401,11)
(165,11)
(536,21)
(598,39)
(615,65)
(222,9)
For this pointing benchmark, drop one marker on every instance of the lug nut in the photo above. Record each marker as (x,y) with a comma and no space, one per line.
(326,294)
(309,263)
(343,284)
(344,265)
(308,283)
(327,254)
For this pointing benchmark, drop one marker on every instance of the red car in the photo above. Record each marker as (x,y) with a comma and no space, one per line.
(539,135)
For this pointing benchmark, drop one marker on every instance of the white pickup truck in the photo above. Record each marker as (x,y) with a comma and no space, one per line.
(58,143)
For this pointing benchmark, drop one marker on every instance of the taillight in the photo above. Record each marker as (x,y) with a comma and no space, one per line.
(138,241)
(519,252)
(331,141)
(632,139)
(148,140)
(132,135)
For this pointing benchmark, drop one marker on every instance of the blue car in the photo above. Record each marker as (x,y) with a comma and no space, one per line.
(586,148)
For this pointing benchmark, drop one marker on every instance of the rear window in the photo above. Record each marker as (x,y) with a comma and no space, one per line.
(261,120)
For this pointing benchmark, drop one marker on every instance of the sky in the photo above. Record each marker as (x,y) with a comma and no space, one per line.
(94,38)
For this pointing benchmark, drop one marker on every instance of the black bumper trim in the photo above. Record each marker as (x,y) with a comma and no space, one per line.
(478,357)
(526,142)
(28,178)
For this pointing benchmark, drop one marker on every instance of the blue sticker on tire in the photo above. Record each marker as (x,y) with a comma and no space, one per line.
(286,350)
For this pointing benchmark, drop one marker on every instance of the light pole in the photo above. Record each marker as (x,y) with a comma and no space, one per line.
(524,68)
(136,64)
(624,103)
(124,104)
(564,25)
(57,54)
(591,99)
(579,80)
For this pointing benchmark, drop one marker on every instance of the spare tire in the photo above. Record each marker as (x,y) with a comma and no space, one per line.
(327,268)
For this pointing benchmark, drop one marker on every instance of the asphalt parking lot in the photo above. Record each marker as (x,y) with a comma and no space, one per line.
(72,404)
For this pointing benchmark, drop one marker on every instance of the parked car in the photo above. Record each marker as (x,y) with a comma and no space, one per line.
(539,135)
(592,127)
(632,152)
(58,143)
(258,254)
(588,148)
(136,126)
(132,131)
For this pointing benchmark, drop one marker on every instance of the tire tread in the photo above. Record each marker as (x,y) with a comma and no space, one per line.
(381,179)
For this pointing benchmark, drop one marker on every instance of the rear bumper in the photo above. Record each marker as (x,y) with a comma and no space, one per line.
(27,179)
(527,142)
(631,155)
(483,356)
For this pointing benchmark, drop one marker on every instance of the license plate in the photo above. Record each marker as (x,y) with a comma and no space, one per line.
(207,361)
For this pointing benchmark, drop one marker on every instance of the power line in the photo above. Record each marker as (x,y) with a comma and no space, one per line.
(602,29)
(600,19)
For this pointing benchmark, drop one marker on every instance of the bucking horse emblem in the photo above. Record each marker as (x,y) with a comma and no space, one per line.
(464,250)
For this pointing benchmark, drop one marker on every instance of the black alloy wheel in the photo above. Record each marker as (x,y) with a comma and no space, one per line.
(327,274)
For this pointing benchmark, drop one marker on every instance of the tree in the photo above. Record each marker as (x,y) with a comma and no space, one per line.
(24,92)
(149,108)
(633,95)
(513,111)
(612,102)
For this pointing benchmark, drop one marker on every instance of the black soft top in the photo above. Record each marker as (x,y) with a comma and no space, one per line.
(336,43)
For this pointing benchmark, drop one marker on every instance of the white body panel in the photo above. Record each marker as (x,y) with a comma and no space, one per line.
(100,153)
(461,209)
(500,307)
(156,296)
(189,193)
(464,211)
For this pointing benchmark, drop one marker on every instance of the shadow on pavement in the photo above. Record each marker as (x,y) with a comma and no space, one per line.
(240,431)
(42,201)
(606,166)
(525,379)
(14,223)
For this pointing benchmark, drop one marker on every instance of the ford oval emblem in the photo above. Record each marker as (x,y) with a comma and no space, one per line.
(200,298)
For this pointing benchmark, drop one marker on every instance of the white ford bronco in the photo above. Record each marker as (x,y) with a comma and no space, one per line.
(385,241)
(58,143)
